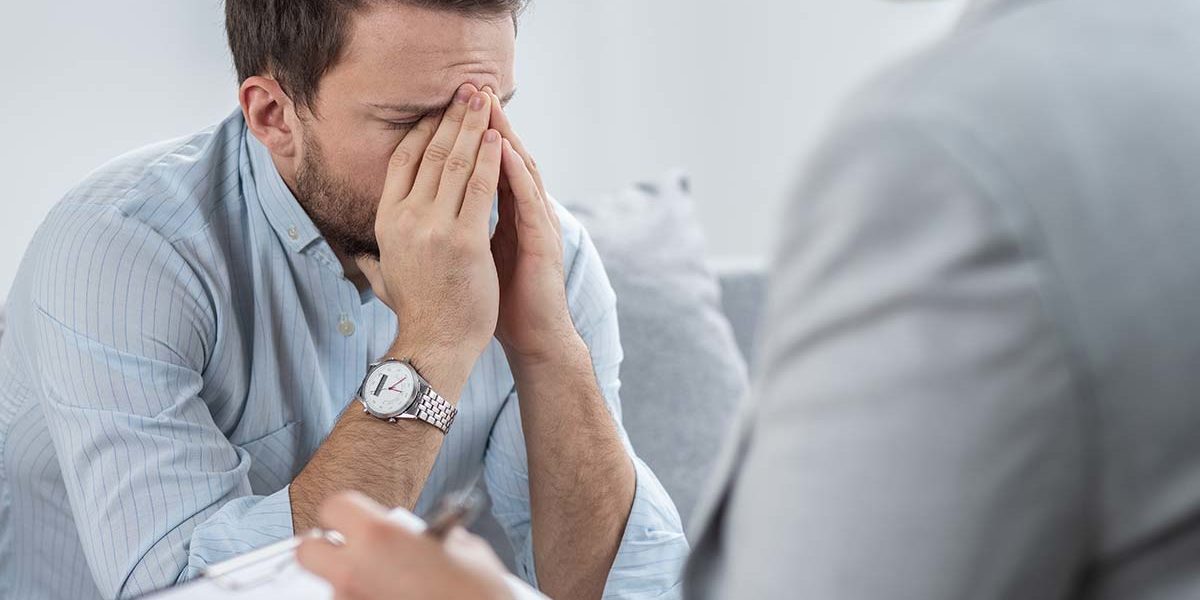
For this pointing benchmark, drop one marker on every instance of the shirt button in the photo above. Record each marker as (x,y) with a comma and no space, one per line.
(293,232)
(346,327)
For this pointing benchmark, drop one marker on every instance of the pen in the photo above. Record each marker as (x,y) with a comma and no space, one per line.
(456,509)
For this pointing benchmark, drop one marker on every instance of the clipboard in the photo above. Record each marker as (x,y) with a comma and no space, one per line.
(268,573)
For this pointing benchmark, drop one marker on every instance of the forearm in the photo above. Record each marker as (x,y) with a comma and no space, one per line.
(388,462)
(581,477)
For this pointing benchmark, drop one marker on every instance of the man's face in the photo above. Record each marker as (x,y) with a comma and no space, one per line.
(399,63)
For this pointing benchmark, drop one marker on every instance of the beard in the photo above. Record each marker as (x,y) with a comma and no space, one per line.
(345,217)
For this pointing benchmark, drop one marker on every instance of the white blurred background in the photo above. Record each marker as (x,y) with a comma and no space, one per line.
(611,91)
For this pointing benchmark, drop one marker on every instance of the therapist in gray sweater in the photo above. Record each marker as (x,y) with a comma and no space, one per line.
(982,371)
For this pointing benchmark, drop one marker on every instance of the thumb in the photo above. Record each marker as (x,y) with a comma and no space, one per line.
(369,265)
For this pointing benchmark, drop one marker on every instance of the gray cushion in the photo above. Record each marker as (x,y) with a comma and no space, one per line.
(683,370)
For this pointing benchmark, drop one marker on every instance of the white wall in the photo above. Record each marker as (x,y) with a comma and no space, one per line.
(611,91)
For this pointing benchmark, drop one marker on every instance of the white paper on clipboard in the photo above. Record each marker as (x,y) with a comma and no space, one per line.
(279,576)
(282,577)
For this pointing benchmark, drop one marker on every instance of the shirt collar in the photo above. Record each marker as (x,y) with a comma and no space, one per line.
(293,226)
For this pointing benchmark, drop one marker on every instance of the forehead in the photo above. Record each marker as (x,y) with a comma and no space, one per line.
(396,52)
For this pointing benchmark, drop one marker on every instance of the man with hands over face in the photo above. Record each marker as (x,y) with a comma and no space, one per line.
(978,378)
(452,288)
(427,226)
(214,336)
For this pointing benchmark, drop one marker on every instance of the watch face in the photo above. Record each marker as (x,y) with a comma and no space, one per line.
(389,389)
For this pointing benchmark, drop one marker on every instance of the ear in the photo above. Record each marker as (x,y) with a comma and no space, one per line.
(271,116)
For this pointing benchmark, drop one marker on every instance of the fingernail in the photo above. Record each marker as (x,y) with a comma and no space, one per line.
(464,93)
(478,100)
(492,136)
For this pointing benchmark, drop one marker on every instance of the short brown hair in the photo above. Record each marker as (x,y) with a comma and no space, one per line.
(298,41)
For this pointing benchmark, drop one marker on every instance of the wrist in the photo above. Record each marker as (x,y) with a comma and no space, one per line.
(555,353)
(446,368)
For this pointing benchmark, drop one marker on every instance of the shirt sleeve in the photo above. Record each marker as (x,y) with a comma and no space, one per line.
(917,429)
(653,548)
(123,331)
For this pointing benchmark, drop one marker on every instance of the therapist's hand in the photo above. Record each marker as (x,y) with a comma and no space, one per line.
(383,561)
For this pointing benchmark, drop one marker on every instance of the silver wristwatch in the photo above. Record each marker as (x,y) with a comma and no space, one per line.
(393,390)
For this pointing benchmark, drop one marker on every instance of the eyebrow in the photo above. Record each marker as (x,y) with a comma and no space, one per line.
(423,109)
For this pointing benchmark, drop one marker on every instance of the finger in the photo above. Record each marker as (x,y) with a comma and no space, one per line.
(481,191)
(502,124)
(351,514)
(406,159)
(461,165)
(506,224)
(531,212)
(322,558)
(507,208)
(369,266)
(552,212)
(433,160)
(458,536)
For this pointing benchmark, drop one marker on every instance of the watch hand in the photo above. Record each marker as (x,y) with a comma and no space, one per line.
(393,388)
(379,388)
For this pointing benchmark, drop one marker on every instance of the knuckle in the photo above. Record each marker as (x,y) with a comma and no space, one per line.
(401,158)
(480,186)
(470,540)
(437,153)
(461,243)
(428,125)
(475,127)
(374,536)
(458,164)
(436,235)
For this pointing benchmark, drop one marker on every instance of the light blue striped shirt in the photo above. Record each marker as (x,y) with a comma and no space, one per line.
(181,339)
